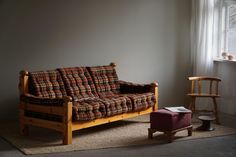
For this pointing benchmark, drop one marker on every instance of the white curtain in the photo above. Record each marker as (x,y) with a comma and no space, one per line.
(205,39)
(205,35)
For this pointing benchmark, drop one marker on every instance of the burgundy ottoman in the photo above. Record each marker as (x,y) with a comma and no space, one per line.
(169,123)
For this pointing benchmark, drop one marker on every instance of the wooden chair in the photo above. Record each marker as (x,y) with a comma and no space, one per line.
(204,87)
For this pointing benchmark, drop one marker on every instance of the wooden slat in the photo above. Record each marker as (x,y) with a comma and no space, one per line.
(204,78)
(210,88)
(43,109)
(203,111)
(81,125)
(44,123)
(193,87)
(203,95)
(217,84)
(199,86)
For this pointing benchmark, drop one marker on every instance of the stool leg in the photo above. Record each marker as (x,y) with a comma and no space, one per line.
(192,105)
(190,130)
(216,111)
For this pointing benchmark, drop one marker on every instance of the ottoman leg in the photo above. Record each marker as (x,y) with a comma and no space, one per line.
(150,133)
(170,136)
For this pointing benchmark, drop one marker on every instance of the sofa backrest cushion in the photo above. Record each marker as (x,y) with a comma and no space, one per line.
(46,84)
(105,79)
(78,83)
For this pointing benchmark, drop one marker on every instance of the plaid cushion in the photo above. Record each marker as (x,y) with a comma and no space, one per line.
(88,110)
(105,80)
(142,101)
(47,84)
(117,105)
(78,83)
(128,87)
(28,98)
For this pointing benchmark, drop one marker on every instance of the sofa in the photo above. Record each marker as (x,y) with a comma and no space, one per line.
(70,99)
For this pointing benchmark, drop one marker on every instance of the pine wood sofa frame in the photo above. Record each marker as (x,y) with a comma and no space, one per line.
(67,126)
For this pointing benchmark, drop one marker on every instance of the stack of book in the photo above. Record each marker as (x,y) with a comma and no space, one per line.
(179,109)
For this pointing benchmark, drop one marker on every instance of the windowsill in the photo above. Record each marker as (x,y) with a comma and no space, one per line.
(224,60)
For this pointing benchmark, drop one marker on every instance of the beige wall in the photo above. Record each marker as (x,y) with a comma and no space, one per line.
(148,39)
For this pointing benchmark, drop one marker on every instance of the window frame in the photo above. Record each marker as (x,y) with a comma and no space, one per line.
(225,26)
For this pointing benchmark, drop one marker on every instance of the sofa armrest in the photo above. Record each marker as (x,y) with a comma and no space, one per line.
(31,99)
(129,87)
(51,109)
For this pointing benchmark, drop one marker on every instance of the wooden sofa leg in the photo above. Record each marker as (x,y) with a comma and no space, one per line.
(24,129)
(67,132)
(67,137)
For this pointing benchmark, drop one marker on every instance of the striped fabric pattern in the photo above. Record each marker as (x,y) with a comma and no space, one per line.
(88,110)
(46,84)
(142,100)
(105,79)
(78,83)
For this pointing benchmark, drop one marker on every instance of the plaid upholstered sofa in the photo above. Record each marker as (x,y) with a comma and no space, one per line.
(69,99)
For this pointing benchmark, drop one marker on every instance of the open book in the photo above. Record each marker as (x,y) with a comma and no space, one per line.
(178,109)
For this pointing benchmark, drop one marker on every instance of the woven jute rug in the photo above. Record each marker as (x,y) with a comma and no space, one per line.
(128,132)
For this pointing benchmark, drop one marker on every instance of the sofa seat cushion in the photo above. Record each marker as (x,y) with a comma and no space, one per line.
(129,87)
(142,101)
(105,79)
(117,104)
(88,110)
(78,83)
(46,84)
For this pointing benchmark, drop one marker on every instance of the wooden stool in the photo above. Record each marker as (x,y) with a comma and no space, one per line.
(206,123)
(169,123)
(199,90)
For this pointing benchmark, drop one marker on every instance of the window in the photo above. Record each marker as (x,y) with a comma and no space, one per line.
(228,41)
